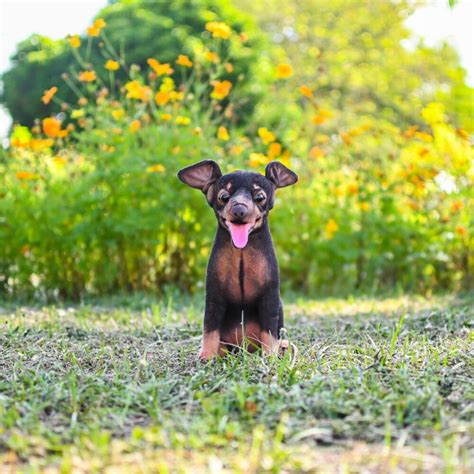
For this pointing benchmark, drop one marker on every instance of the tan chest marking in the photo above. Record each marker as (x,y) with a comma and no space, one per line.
(255,272)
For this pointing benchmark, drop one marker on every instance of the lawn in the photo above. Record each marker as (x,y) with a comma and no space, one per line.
(113,386)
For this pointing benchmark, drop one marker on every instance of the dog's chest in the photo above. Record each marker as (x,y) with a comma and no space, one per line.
(242,274)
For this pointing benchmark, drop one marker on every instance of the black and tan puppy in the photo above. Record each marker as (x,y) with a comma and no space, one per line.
(242,284)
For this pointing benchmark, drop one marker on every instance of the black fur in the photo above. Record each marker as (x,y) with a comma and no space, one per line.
(226,305)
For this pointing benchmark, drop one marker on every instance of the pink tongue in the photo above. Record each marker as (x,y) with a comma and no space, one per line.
(239,234)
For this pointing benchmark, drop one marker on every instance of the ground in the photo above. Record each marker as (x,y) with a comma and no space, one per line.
(379,385)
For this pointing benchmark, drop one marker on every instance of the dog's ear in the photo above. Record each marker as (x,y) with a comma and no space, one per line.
(280,175)
(200,175)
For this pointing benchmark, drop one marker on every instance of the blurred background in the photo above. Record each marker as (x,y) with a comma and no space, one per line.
(370,102)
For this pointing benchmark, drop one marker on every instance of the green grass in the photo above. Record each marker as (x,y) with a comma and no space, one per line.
(378,386)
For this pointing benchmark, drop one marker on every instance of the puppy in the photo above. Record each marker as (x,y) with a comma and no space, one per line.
(243,284)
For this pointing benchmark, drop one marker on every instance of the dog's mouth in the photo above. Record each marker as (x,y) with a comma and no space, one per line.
(239,232)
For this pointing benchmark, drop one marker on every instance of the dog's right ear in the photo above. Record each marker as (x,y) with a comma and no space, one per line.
(200,175)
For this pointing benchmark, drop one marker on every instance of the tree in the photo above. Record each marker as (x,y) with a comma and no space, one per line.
(138,30)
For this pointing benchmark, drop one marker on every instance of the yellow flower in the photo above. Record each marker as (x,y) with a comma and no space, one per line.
(229,67)
(48,95)
(433,113)
(136,91)
(159,168)
(118,114)
(160,69)
(26,175)
(266,136)
(221,89)
(212,57)
(316,153)
(219,29)
(111,65)
(284,71)
(52,128)
(167,85)
(176,96)
(95,29)
(87,76)
(364,206)
(257,159)
(162,98)
(236,150)
(197,131)
(330,229)
(180,120)
(306,91)
(223,134)
(166,117)
(82,101)
(59,161)
(183,60)
(274,150)
(74,41)
(135,125)
(77,113)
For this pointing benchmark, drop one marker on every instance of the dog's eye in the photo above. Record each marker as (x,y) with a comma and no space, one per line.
(224,197)
(260,197)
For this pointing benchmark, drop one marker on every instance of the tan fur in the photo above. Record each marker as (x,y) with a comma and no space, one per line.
(211,346)
(255,271)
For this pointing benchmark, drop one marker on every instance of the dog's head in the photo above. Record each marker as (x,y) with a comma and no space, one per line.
(241,200)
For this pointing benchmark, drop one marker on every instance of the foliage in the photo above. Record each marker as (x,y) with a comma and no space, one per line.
(116,389)
(136,31)
(90,202)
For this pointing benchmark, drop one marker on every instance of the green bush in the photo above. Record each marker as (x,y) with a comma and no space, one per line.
(90,203)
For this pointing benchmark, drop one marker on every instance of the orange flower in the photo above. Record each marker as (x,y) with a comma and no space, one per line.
(135,125)
(219,29)
(316,153)
(166,117)
(284,71)
(136,91)
(52,128)
(322,116)
(221,89)
(183,60)
(26,175)
(95,29)
(212,57)
(306,91)
(74,41)
(274,150)
(87,76)
(228,67)
(223,134)
(111,65)
(460,230)
(456,206)
(48,95)
(162,98)
(266,136)
(160,69)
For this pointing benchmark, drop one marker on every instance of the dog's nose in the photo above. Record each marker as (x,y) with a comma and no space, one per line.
(239,211)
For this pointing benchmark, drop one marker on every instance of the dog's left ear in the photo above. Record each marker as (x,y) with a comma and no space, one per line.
(200,175)
(280,175)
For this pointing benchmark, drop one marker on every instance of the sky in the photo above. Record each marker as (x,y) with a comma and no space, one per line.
(58,18)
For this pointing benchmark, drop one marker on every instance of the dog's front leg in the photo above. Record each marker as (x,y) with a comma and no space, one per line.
(213,315)
(269,309)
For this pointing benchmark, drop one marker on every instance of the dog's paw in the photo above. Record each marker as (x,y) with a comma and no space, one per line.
(204,356)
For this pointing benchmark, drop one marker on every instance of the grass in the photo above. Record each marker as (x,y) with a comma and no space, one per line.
(378,386)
